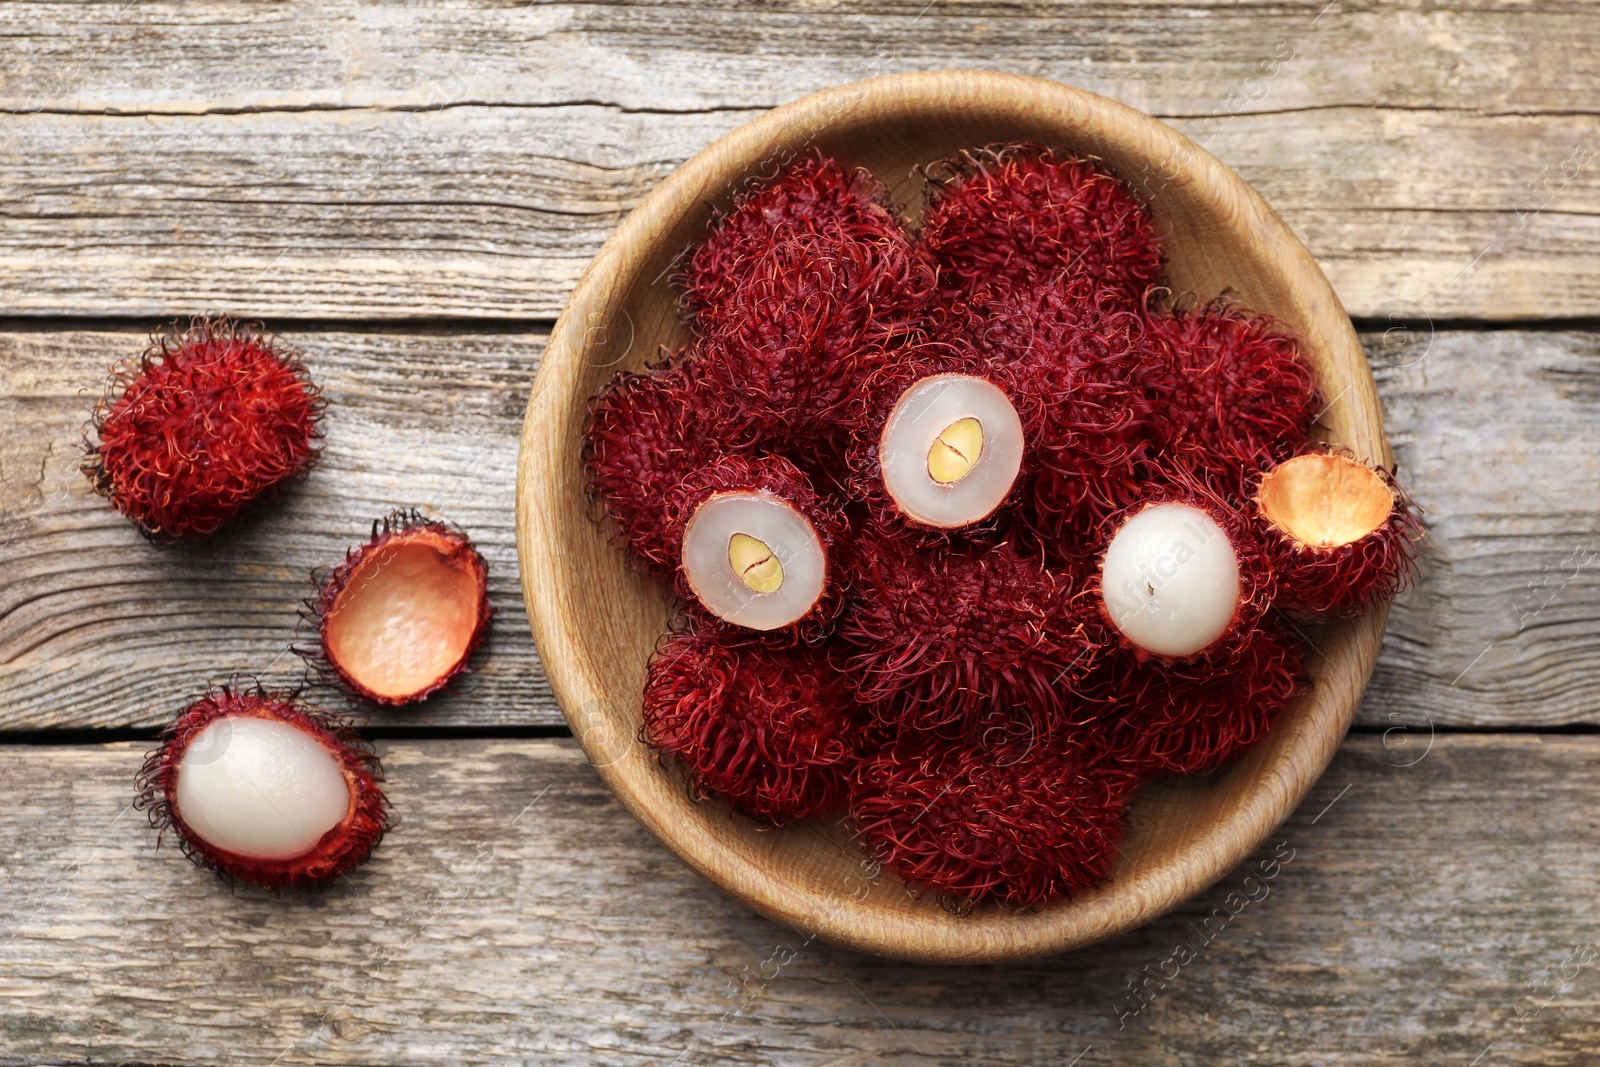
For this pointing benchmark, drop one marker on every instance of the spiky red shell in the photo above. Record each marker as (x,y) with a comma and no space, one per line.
(1024,825)
(341,849)
(429,550)
(1019,212)
(1238,394)
(1191,717)
(934,636)
(765,725)
(211,417)
(1315,580)
(1257,577)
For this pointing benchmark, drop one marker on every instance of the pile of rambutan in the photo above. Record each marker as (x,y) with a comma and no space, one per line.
(974,527)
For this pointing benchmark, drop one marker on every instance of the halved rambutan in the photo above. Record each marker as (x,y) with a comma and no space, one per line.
(211,417)
(1021,825)
(1182,574)
(1022,213)
(400,617)
(1238,393)
(1191,717)
(756,543)
(768,726)
(1341,533)
(262,788)
(936,635)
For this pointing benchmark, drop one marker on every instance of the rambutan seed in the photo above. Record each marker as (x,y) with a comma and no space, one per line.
(212,416)
(1169,581)
(400,617)
(260,787)
(951,450)
(1341,532)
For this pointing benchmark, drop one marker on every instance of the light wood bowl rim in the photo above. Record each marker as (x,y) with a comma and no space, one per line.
(1299,750)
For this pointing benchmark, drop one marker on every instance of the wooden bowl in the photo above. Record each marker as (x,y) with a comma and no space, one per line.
(596,621)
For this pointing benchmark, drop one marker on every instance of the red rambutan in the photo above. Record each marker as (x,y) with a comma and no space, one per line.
(1238,393)
(1020,825)
(260,787)
(209,418)
(1020,213)
(400,617)
(767,726)
(934,636)
(1341,534)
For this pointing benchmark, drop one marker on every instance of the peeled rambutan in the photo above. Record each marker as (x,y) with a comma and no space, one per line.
(757,543)
(1023,826)
(936,635)
(1190,718)
(1021,213)
(262,788)
(211,417)
(1182,574)
(1341,533)
(1238,393)
(767,726)
(400,617)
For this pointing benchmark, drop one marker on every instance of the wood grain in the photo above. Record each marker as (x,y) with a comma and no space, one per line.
(1493,431)
(518,913)
(396,161)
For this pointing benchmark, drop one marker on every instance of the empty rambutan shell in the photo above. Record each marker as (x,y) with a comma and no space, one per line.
(1021,825)
(1341,533)
(756,543)
(211,417)
(1190,718)
(400,617)
(767,726)
(1238,393)
(1021,213)
(262,788)
(936,635)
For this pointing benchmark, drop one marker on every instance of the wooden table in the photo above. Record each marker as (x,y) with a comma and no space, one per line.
(409,191)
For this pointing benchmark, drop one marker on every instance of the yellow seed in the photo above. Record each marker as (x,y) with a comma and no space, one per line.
(754,563)
(955,452)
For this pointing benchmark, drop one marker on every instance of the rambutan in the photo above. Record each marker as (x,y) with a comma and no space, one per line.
(1182,575)
(211,417)
(1022,826)
(400,617)
(934,636)
(767,726)
(1341,533)
(1238,393)
(1188,717)
(1021,213)
(262,788)
(757,543)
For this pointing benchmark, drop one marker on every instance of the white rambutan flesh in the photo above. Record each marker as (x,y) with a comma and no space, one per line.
(752,559)
(951,450)
(260,788)
(1170,580)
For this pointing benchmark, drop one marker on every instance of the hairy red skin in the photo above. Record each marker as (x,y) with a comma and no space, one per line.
(1239,395)
(340,851)
(1191,717)
(1072,361)
(765,474)
(399,529)
(936,636)
(1021,213)
(1023,824)
(211,417)
(1258,580)
(1315,581)
(769,727)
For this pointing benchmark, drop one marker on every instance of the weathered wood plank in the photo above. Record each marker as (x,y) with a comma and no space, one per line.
(1494,432)
(389,162)
(1424,912)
